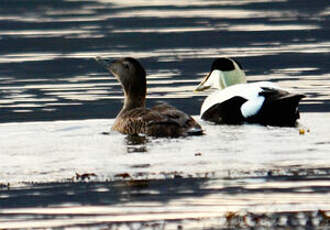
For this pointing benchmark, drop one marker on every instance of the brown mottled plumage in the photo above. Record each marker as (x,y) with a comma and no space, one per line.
(160,121)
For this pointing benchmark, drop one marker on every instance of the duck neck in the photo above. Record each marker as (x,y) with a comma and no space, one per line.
(133,101)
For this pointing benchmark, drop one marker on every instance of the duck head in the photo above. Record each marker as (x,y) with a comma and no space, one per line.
(224,72)
(132,77)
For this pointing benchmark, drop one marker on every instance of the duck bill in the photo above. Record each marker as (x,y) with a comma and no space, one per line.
(106,63)
(202,86)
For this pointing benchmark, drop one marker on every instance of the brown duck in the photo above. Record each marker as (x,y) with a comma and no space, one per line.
(134,118)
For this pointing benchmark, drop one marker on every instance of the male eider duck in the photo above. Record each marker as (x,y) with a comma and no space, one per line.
(236,101)
(160,121)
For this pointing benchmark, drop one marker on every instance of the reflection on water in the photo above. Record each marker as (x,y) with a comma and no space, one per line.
(238,177)
(136,143)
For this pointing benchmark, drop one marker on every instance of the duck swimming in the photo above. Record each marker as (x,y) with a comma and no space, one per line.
(236,101)
(134,118)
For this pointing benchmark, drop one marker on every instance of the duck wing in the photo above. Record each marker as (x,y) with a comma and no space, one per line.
(160,121)
(226,112)
(277,94)
(172,122)
(131,122)
(280,107)
(232,104)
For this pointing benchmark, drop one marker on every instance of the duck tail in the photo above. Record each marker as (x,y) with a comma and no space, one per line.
(282,110)
(290,104)
(194,129)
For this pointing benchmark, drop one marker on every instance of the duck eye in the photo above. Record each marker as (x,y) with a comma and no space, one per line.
(125,64)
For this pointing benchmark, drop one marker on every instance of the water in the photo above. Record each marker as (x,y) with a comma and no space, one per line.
(57,104)
(230,169)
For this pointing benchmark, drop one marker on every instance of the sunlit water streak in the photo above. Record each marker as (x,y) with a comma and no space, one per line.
(60,153)
(270,176)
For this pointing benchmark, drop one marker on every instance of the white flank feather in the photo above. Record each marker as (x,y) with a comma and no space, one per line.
(252,107)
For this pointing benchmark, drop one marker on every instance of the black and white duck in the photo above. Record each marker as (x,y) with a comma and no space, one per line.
(237,102)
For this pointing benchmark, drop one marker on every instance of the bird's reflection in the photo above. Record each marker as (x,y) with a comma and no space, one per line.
(136,143)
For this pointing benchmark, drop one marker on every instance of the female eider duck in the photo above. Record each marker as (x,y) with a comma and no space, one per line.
(160,121)
(236,101)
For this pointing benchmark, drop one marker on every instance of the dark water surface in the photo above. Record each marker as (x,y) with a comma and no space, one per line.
(47,71)
(235,177)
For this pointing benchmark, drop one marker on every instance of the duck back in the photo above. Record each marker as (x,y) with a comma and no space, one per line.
(160,121)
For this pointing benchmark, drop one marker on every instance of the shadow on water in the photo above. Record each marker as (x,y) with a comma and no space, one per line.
(127,195)
(87,193)
(132,189)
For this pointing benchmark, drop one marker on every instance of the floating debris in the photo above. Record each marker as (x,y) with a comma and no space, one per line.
(123,175)
(301,131)
(141,166)
(177,176)
(3,185)
(84,176)
(138,183)
(105,133)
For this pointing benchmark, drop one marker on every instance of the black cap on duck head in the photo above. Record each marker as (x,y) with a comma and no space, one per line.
(224,64)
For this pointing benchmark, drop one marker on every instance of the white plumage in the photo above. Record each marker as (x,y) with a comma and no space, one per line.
(250,92)
(236,101)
